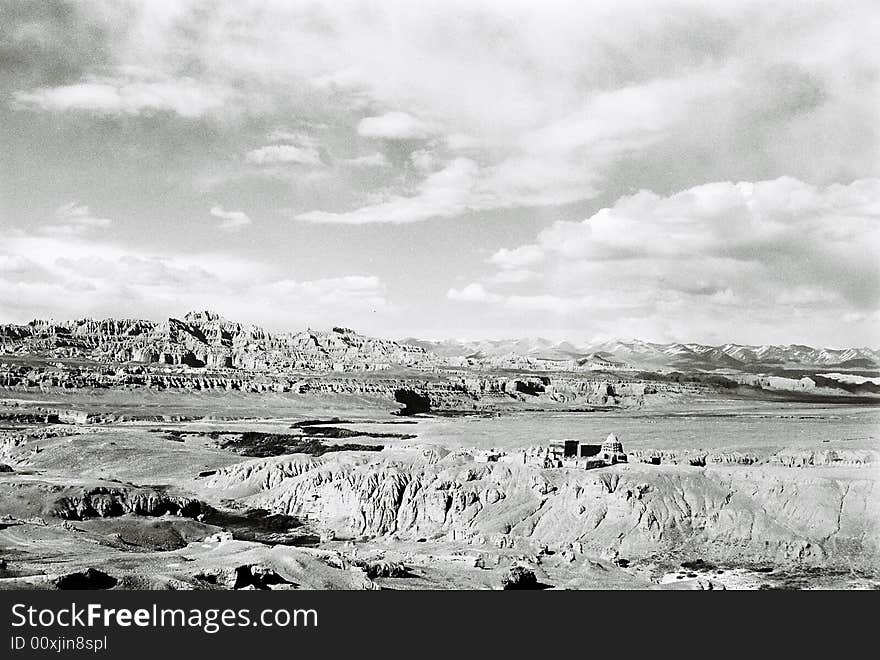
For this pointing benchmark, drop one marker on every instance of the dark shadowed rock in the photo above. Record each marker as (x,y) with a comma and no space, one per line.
(384,569)
(105,502)
(519,577)
(241,577)
(413,402)
(91,578)
(532,386)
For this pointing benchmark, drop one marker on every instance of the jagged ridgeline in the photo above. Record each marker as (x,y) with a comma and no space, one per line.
(206,339)
(636,354)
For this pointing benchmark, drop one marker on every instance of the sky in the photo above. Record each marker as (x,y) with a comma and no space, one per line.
(663,170)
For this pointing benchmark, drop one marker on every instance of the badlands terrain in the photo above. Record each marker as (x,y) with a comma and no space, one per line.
(201,453)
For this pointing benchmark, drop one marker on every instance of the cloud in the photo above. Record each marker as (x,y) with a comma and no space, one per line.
(473,292)
(129,92)
(566,160)
(769,253)
(526,255)
(479,106)
(376,159)
(290,148)
(571,158)
(284,153)
(74,219)
(232,220)
(424,160)
(558,163)
(394,126)
(560,106)
(72,277)
(444,193)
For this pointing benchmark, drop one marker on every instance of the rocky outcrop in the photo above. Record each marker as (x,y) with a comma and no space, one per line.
(697,458)
(784,457)
(446,392)
(827,457)
(531,386)
(205,339)
(205,352)
(91,578)
(103,502)
(733,512)
(413,402)
(253,576)
(257,475)
(381,568)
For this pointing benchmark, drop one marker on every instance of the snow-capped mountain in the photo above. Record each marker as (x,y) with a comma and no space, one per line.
(639,354)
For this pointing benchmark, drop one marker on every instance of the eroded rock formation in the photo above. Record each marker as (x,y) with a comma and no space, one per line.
(733,512)
(205,339)
(103,502)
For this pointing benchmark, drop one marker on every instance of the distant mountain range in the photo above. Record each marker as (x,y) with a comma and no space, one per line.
(636,354)
(205,338)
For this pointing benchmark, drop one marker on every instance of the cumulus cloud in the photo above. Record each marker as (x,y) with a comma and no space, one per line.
(394,126)
(773,252)
(231,220)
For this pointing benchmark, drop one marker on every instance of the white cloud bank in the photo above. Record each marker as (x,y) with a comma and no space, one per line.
(73,277)
(772,254)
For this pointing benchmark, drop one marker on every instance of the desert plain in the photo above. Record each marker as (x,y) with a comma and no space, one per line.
(205,454)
